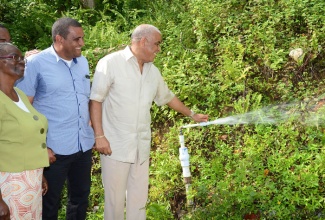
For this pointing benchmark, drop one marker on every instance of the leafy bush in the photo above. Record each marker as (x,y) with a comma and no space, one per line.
(223,58)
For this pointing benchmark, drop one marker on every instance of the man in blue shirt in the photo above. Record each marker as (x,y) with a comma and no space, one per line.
(57,83)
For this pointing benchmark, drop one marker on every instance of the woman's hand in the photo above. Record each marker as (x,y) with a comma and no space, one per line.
(4,210)
(31,52)
(45,186)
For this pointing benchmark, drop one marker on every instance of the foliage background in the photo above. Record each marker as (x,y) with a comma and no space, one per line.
(222,58)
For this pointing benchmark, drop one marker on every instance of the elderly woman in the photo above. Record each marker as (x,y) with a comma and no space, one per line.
(23,152)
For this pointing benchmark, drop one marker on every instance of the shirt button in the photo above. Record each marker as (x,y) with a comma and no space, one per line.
(43,145)
(35,117)
(42,131)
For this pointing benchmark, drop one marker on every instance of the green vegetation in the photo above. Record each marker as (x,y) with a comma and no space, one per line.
(223,58)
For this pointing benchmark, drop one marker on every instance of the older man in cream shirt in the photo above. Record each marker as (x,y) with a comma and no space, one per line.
(125,85)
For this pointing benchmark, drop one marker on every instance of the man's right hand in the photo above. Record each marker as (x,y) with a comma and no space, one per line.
(4,210)
(102,146)
(51,154)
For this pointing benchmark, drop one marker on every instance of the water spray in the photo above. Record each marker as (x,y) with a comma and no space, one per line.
(310,114)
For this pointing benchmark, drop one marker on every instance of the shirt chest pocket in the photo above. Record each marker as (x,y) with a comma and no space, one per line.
(81,85)
(86,86)
(126,87)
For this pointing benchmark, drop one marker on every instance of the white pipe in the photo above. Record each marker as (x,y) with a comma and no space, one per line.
(184,157)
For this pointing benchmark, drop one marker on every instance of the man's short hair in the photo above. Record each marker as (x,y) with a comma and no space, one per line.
(61,27)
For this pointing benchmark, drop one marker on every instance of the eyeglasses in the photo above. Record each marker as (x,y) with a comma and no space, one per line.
(14,57)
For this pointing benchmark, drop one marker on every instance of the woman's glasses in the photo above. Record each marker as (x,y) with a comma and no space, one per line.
(15,58)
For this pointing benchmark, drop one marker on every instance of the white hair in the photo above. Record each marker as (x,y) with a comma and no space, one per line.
(143,30)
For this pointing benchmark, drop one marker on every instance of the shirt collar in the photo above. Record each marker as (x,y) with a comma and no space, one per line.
(129,55)
(58,57)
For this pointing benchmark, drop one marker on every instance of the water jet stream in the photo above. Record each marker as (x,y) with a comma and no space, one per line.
(304,112)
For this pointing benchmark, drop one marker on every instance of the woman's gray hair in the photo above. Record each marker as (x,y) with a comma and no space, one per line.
(4,47)
(143,30)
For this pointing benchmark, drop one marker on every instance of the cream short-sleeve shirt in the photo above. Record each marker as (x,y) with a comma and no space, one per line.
(127,97)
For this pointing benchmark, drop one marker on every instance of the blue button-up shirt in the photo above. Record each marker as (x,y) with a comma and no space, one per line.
(61,93)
